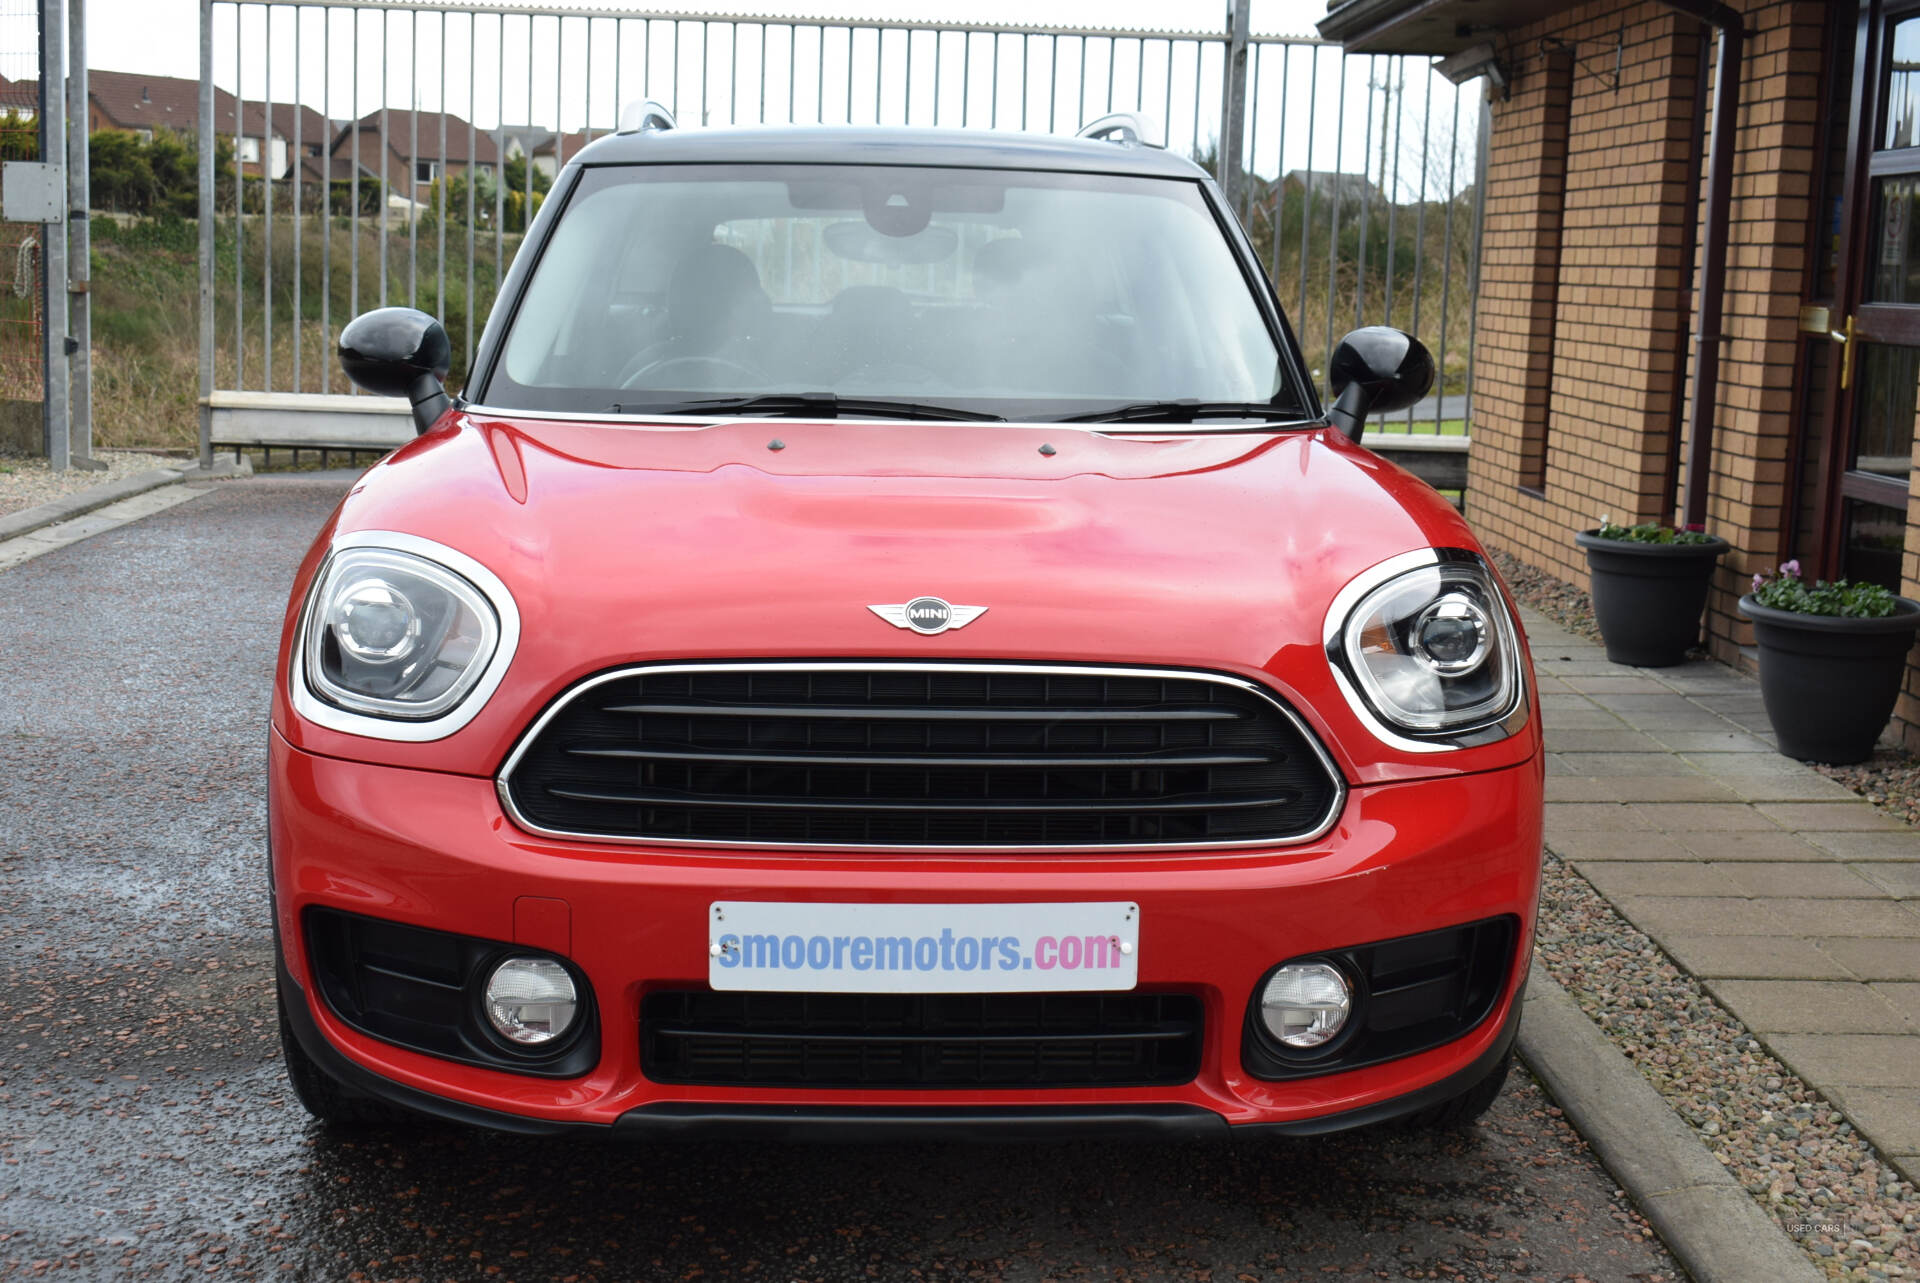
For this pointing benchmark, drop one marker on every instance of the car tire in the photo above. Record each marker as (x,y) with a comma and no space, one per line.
(331,1102)
(1466,1108)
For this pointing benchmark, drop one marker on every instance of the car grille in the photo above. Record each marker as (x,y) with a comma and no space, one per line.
(900,755)
(920,1040)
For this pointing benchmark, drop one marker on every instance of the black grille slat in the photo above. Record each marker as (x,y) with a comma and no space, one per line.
(830,759)
(934,714)
(951,1041)
(851,755)
(931,804)
(694,1031)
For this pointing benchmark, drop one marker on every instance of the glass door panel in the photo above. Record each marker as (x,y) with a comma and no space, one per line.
(1875,539)
(1901,122)
(1886,393)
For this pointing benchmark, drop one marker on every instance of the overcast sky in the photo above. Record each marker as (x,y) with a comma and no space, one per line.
(517,74)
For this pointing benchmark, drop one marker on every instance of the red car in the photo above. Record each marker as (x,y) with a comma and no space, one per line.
(895,645)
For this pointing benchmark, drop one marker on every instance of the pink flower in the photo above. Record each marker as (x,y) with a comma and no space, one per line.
(1697,527)
(1791,569)
(1759,581)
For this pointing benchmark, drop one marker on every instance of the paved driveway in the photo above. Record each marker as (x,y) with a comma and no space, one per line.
(146,1129)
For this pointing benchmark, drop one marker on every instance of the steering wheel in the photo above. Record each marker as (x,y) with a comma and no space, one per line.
(734,369)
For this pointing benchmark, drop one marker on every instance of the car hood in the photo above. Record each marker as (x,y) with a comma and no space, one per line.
(634,543)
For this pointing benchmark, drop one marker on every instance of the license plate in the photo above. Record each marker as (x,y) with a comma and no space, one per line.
(923,948)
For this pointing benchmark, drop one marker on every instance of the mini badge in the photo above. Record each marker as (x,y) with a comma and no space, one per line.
(929,615)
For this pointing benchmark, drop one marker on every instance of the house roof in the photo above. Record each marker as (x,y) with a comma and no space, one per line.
(486,150)
(136,100)
(22,96)
(314,128)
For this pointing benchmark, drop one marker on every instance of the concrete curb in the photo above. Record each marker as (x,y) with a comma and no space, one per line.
(1700,1212)
(28,520)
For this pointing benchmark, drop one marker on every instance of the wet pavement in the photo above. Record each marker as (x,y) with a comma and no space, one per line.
(146,1128)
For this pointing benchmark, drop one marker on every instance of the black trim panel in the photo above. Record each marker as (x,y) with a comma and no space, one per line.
(354,1078)
(693,1121)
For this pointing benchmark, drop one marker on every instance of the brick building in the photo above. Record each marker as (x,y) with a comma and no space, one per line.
(1594,254)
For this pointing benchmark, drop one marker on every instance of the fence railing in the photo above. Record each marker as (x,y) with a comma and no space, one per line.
(393,152)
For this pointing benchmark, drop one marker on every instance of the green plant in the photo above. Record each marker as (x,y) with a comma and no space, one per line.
(19,136)
(158,176)
(1784,589)
(1651,532)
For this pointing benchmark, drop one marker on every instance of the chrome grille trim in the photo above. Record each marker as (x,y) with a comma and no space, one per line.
(530,736)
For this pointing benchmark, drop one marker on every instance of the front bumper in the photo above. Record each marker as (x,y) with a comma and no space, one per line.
(435,851)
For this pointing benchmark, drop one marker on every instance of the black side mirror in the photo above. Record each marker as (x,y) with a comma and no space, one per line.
(1376,370)
(397,351)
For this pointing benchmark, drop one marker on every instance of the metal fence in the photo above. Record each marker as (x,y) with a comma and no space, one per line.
(21,288)
(440,126)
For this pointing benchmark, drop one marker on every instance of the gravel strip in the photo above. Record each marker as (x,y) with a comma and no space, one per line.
(26,482)
(1555,598)
(1794,1152)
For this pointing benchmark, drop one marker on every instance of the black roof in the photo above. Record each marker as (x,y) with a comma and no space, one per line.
(844,145)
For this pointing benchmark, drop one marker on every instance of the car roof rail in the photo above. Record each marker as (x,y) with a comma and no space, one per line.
(647,117)
(1125,127)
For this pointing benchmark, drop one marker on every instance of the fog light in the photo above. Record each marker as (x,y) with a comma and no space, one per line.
(531,1000)
(1306,1003)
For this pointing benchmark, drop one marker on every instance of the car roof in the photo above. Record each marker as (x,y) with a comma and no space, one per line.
(845,145)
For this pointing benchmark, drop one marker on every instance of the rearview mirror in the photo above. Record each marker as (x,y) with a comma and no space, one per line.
(1377,369)
(397,351)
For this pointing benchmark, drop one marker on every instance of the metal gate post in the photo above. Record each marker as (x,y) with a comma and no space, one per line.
(1233,101)
(53,259)
(79,245)
(206,232)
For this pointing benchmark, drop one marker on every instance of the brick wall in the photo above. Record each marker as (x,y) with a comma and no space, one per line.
(1595,374)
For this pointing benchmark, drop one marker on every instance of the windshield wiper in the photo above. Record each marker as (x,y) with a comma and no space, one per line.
(812,405)
(1184,410)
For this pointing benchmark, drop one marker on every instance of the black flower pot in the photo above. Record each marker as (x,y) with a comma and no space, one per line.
(1829,682)
(1647,597)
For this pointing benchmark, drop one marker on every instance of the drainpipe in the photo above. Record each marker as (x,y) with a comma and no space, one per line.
(1713,266)
(1690,287)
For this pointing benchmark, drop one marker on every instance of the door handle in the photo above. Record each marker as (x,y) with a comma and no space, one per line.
(1845,337)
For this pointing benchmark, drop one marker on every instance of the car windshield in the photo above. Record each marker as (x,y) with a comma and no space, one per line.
(1012,293)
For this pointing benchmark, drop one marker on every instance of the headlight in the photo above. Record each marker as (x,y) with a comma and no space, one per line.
(391,634)
(1431,650)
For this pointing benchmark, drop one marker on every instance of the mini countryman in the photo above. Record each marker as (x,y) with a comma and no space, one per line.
(891,641)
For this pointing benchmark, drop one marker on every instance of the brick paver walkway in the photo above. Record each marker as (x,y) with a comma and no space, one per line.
(1795,902)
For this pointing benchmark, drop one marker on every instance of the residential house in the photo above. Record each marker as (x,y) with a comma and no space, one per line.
(141,104)
(417,150)
(548,149)
(21,97)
